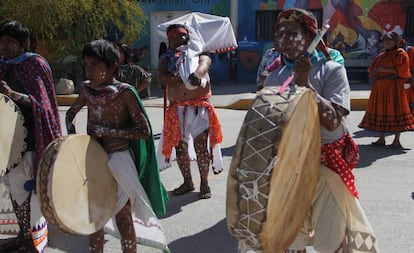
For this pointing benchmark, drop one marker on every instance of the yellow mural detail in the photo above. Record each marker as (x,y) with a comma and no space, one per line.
(349,34)
(370,24)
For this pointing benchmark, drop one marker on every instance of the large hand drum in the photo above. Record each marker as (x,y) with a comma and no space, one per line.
(274,170)
(77,191)
(12,134)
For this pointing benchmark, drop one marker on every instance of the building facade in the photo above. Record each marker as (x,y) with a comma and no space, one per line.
(356,27)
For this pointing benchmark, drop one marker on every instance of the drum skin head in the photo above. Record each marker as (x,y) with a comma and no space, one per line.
(77,190)
(12,134)
(265,204)
(294,177)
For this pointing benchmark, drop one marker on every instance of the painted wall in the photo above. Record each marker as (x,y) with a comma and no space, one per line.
(356,28)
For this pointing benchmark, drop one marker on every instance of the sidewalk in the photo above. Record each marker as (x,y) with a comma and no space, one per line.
(234,96)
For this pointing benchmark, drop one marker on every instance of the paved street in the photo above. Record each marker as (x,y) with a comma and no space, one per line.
(385,179)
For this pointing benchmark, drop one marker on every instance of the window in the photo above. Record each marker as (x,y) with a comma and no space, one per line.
(265,24)
(265,20)
(409,22)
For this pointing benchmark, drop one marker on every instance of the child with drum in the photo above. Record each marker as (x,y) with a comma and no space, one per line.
(117,120)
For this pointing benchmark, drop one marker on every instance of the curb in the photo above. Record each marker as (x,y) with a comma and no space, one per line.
(357,104)
(66,100)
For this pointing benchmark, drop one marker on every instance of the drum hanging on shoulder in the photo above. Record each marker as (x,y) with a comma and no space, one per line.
(12,134)
(76,189)
(274,170)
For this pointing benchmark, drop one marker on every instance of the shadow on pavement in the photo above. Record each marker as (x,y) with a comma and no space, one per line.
(369,154)
(228,151)
(175,203)
(66,242)
(214,239)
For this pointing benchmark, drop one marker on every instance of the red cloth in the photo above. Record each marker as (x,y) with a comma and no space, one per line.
(342,156)
(172,132)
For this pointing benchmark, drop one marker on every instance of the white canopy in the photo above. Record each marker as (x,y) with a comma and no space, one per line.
(207,32)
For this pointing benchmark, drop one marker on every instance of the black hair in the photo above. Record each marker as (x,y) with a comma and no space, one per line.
(124,49)
(173,26)
(163,48)
(102,50)
(17,31)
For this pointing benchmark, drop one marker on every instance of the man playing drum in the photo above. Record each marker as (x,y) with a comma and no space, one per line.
(27,79)
(116,118)
(336,221)
(190,113)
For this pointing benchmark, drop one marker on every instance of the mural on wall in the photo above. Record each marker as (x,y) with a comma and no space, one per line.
(356,25)
(356,29)
(249,51)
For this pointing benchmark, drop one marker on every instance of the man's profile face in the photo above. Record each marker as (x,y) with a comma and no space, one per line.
(178,39)
(97,72)
(10,47)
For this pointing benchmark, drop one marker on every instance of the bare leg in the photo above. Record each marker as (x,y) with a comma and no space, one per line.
(24,239)
(23,217)
(126,229)
(380,141)
(183,161)
(396,141)
(203,162)
(96,242)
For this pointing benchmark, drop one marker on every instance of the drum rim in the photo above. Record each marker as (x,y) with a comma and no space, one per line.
(18,156)
(49,210)
(233,210)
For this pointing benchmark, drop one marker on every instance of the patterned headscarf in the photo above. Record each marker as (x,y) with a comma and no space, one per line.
(306,19)
(392,36)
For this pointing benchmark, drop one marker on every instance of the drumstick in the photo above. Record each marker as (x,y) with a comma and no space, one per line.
(308,53)
(316,40)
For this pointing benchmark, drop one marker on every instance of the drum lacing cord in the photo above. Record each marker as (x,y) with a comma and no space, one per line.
(253,194)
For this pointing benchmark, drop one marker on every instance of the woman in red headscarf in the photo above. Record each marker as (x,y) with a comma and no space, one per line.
(388,108)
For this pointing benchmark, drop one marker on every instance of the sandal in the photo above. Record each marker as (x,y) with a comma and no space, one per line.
(205,192)
(395,146)
(12,244)
(182,189)
(18,244)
